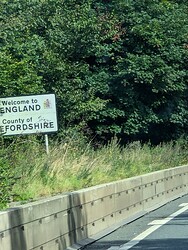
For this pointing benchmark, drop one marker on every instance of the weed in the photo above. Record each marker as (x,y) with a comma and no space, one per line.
(28,173)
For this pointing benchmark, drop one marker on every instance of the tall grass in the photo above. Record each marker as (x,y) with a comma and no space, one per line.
(74,165)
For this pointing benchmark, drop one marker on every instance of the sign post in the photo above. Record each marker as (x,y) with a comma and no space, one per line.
(46,143)
(33,114)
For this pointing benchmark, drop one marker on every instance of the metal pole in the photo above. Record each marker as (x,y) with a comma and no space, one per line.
(46,143)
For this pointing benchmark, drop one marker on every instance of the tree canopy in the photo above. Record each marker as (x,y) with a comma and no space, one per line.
(117,67)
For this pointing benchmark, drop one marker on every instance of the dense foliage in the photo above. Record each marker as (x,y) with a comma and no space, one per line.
(117,67)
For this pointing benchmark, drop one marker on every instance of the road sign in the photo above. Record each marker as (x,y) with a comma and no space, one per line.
(28,114)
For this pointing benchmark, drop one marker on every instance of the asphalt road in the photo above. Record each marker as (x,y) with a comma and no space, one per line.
(165,228)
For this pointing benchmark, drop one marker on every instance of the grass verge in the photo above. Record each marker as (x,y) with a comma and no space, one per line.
(75,165)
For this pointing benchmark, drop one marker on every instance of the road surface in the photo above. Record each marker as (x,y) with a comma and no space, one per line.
(165,228)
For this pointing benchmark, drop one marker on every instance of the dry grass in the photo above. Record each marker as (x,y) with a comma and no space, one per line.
(74,165)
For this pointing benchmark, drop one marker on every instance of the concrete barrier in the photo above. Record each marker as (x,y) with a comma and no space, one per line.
(71,220)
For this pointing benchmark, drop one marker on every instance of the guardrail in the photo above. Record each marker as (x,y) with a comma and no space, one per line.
(80,217)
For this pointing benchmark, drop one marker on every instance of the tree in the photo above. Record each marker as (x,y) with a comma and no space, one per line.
(46,48)
(117,67)
(147,68)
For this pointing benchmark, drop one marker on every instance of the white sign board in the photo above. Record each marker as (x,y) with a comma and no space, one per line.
(28,114)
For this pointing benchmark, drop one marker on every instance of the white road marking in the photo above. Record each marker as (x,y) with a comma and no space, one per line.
(183,205)
(155,225)
(159,222)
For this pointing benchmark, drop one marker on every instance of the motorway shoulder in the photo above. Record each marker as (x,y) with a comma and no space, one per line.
(164,228)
